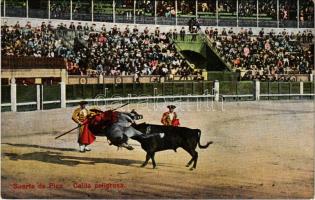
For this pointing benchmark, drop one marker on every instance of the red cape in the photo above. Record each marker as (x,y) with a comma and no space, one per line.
(86,136)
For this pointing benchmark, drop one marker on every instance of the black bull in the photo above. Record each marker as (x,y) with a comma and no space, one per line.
(159,138)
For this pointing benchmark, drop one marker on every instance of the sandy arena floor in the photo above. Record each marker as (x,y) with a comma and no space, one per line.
(260,150)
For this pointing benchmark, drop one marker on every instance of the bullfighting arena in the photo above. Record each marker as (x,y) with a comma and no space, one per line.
(260,150)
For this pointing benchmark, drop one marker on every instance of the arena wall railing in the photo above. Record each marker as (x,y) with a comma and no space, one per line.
(141,27)
(150,12)
(18,98)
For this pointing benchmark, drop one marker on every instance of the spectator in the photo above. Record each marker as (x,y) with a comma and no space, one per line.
(72,26)
(194,34)
(223,33)
(79,27)
(175,34)
(182,34)
(191,23)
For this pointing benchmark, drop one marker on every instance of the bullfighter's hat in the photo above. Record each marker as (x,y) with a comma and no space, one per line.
(83,102)
(171,107)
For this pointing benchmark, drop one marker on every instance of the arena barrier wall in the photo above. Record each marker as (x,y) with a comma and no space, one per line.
(42,97)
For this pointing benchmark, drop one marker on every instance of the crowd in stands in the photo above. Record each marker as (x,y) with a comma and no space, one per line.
(165,9)
(268,7)
(80,8)
(266,55)
(60,10)
(106,52)
(186,7)
(228,6)
(28,41)
(247,8)
(147,7)
(206,6)
(306,11)
(127,51)
(287,10)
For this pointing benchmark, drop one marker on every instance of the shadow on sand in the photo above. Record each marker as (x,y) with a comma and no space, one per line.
(41,147)
(59,158)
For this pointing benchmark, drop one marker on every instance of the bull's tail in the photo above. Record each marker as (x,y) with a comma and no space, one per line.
(202,146)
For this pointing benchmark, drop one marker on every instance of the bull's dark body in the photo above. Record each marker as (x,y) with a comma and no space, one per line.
(161,138)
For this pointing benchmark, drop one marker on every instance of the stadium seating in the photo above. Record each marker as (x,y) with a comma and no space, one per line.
(124,50)
(111,52)
(265,55)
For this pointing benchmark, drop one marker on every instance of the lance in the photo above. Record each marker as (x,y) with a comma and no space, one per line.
(67,132)
(120,106)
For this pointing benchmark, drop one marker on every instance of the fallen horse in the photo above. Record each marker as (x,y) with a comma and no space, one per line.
(116,126)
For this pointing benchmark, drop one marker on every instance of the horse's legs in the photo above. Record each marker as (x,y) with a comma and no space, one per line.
(127,146)
(118,138)
(147,158)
